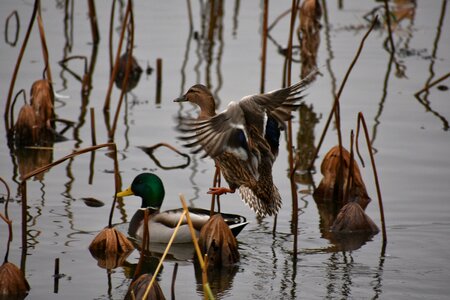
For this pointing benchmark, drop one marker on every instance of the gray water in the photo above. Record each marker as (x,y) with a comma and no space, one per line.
(411,139)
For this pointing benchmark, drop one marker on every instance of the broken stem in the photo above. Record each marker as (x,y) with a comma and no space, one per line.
(374,168)
(19,60)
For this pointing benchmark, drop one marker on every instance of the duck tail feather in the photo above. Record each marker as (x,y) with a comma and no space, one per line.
(260,207)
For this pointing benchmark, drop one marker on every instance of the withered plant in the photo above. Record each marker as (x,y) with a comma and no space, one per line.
(13,284)
(218,243)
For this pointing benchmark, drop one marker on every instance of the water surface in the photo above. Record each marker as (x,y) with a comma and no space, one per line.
(411,139)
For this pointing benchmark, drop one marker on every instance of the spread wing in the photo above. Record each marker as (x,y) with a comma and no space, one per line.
(279,104)
(227,131)
(224,131)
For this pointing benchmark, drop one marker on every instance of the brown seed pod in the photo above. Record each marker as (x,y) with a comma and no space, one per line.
(13,284)
(109,246)
(139,287)
(25,130)
(352,218)
(133,77)
(218,242)
(329,184)
(42,100)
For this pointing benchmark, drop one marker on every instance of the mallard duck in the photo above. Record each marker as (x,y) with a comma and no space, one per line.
(243,140)
(150,188)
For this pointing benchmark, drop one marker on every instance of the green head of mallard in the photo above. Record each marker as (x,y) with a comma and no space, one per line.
(149,187)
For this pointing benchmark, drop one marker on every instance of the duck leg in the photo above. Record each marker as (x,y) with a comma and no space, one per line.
(220,190)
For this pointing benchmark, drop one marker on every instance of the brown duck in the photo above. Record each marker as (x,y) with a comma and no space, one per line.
(243,140)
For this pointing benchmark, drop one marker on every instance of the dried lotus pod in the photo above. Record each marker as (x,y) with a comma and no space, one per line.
(139,286)
(310,14)
(42,99)
(26,131)
(133,77)
(109,243)
(352,218)
(13,284)
(218,242)
(329,183)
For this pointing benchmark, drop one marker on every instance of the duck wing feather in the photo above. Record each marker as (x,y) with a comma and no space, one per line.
(227,131)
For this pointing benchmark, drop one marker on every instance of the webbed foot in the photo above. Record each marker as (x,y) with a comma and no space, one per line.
(220,190)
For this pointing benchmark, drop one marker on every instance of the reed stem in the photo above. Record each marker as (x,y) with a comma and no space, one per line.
(169,244)
(206,288)
(431,84)
(116,62)
(127,72)
(93,21)
(174,278)
(264,46)
(44,48)
(158,80)
(93,135)
(294,195)
(17,66)
(374,168)
(341,88)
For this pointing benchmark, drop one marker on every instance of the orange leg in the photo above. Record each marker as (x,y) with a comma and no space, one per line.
(220,190)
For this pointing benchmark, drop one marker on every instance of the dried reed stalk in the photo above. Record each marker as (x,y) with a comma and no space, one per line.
(111,29)
(116,62)
(206,289)
(63,62)
(24,94)
(158,80)
(169,244)
(93,21)
(264,46)
(127,68)
(374,168)
(431,84)
(341,88)
(294,8)
(388,23)
(44,46)
(93,135)
(17,66)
